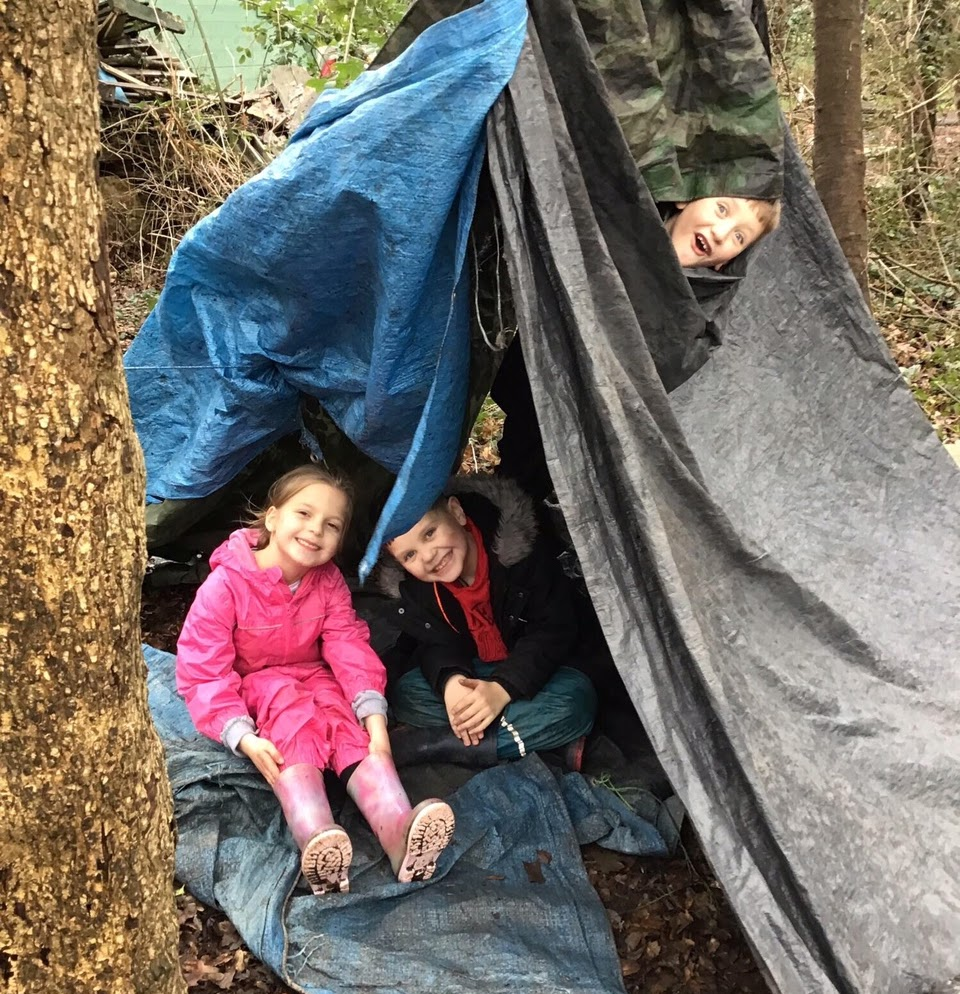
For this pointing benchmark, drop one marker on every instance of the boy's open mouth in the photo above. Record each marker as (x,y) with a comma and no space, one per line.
(703,246)
(442,564)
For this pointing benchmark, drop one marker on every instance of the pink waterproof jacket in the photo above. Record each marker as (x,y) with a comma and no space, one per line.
(246,619)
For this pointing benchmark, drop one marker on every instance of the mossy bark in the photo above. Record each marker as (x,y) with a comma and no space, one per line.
(86,854)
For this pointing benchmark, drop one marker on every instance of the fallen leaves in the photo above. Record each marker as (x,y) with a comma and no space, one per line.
(162,613)
(673,929)
(213,957)
(535,867)
(534,872)
(481,454)
(929,360)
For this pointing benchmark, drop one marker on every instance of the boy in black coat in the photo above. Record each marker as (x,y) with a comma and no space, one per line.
(489,620)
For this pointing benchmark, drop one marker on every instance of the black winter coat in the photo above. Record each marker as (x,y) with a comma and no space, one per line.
(533,602)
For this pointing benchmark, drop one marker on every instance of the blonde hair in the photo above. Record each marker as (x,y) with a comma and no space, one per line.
(287,487)
(767,213)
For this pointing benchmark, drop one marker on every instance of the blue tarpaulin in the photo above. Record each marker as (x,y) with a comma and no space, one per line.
(510,908)
(337,272)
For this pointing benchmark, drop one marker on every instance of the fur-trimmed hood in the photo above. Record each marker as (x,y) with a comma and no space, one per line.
(515,534)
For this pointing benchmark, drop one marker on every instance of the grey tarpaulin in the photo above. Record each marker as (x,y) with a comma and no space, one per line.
(773,551)
(510,909)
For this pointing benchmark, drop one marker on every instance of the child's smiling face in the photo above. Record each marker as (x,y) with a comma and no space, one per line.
(438,548)
(305,531)
(713,230)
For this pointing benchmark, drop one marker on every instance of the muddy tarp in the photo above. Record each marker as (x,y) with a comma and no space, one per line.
(773,550)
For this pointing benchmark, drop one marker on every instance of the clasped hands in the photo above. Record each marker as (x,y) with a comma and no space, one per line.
(471,705)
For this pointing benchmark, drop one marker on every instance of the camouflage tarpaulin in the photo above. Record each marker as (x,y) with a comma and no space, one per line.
(692,89)
(689,83)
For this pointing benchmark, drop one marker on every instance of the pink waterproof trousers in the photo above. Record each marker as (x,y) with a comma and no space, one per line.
(302,711)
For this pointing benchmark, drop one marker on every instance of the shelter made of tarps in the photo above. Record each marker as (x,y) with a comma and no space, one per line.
(773,548)
(336,274)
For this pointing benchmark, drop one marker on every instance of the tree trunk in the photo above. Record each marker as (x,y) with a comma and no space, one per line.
(86,896)
(839,165)
(928,40)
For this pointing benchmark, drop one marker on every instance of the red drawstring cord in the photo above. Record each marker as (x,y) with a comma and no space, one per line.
(436,593)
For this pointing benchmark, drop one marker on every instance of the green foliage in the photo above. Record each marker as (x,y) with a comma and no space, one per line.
(313,32)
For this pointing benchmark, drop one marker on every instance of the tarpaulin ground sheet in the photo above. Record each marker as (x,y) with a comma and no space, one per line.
(509,909)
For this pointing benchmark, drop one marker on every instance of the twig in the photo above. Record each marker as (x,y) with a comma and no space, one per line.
(349,40)
(940,385)
(931,312)
(902,265)
(775,42)
(947,87)
(657,900)
(206,48)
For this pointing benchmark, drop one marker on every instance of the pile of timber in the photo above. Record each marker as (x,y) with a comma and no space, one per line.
(142,71)
(141,68)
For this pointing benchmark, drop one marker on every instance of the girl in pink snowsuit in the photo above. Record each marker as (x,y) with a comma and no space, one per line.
(274,663)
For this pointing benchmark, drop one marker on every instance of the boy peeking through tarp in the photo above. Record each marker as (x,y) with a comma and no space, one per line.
(712,231)
(709,236)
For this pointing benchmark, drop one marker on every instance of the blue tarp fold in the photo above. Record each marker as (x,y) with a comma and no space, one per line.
(337,272)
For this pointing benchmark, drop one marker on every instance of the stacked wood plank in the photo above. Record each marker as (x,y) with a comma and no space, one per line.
(144,72)
(140,67)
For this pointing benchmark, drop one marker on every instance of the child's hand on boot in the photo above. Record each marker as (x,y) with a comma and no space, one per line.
(453,693)
(482,702)
(264,755)
(376,726)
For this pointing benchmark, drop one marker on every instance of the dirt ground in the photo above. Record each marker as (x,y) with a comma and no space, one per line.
(674,930)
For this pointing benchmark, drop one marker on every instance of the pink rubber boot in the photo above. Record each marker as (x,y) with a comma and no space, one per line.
(324,846)
(412,838)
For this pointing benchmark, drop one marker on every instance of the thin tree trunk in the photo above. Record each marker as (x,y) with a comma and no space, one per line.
(86,897)
(839,165)
(925,62)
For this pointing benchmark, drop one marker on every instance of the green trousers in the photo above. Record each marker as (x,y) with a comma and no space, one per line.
(562,711)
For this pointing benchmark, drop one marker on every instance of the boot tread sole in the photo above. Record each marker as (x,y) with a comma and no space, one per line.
(429,834)
(326,862)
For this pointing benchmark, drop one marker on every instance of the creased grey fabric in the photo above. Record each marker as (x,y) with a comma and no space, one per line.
(773,552)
